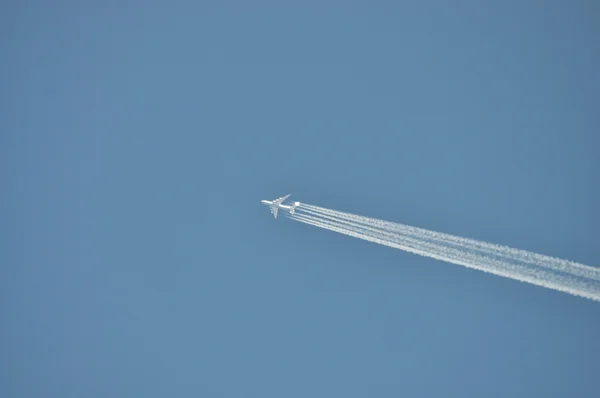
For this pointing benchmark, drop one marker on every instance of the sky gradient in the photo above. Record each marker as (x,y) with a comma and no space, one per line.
(138,141)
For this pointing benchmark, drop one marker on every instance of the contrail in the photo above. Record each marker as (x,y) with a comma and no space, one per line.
(412,245)
(524,256)
(566,276)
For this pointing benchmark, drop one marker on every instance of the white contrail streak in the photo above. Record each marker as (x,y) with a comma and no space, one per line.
(518,255)
(566,276)
(416,246)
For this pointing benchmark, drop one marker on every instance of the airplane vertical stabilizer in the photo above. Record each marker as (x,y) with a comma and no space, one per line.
(293,207)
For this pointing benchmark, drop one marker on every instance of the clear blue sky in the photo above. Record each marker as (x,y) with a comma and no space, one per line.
(138,140)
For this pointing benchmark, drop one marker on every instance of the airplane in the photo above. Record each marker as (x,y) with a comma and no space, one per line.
(275,205)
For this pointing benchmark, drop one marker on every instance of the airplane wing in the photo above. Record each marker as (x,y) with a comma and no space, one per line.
(274,210)
(279,200)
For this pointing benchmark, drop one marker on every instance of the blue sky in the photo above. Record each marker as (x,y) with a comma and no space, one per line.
(138,141)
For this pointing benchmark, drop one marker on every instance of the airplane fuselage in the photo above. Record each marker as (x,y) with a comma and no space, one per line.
(277,204)
(280,206)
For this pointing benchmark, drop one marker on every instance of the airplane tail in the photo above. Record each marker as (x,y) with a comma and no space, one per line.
(293,207)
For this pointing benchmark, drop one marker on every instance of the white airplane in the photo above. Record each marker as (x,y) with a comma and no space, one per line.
(275,205)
